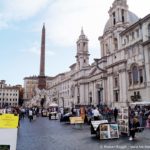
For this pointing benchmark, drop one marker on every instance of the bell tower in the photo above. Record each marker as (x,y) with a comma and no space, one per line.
(118,12)
(82,56)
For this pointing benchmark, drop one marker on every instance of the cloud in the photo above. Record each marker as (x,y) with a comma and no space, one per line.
(18,10)
(35,49)
(65,18)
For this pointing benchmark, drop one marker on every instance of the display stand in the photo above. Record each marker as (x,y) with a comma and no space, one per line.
(123,121)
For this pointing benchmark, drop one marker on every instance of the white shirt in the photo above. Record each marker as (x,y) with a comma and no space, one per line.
(30,113)
(95,113)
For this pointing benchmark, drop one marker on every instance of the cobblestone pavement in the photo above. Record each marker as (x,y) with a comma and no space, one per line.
(44,134)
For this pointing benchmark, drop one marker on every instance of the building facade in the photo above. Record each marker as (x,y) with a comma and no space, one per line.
(9,95)
(120,76)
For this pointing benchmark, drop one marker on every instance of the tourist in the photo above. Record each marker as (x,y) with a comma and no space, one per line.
(115,114)
(30,115)
(148,122)
(133,127)
(96,114)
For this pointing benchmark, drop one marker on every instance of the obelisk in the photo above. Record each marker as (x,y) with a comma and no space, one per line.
(42,77)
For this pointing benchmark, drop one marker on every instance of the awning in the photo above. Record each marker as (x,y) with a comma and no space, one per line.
(141,103)
(53,105)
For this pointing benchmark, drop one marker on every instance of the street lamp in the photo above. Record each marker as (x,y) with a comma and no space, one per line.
(103,71)
(96,61)
(63,103)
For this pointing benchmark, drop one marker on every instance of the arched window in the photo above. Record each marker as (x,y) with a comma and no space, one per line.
(135,74)
(149,31)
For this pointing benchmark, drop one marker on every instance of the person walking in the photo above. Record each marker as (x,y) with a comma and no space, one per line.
(30,115)
(133,127)
(148,122)
(96,114)
(115,114)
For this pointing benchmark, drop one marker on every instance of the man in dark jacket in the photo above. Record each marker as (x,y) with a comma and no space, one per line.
(115,114)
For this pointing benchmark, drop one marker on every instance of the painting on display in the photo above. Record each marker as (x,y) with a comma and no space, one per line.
(109,131)
(114,133)
(104,131)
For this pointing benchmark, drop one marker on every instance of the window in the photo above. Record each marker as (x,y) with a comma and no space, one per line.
(124,41)
(133,36)
(115,43)
(149,31)
(84,44)
(78,99)
(114,18)
(137,33)
(116,95)
(122,14)
(116,82)
(141,75)
(127,36)
(133,51)
(135,74)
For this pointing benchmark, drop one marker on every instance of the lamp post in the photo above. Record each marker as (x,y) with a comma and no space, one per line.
(63,104)
(96,61)
(100,100)
(103,71)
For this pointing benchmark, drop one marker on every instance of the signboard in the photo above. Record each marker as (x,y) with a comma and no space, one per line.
(4,147)
(8,121)
(109,131)
(75,120)
(96,123)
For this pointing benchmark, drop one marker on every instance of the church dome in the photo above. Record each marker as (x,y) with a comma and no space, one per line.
(132,18)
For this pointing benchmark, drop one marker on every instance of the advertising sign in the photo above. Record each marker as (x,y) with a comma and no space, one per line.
(8,121)
(76,120)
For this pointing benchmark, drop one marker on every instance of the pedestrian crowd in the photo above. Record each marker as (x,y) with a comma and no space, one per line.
(139,116)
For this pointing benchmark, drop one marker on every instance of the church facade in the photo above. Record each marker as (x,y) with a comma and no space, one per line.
(119,77)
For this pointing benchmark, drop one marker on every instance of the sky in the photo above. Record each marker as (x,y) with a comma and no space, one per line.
(21,23)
